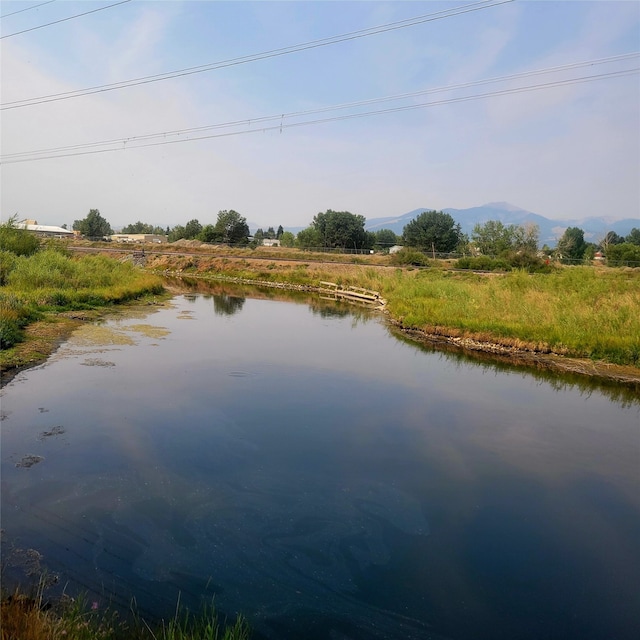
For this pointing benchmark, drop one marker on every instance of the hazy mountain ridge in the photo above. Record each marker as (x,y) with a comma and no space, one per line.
(594,228)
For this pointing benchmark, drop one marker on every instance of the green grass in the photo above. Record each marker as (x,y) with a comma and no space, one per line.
(50,281)
(578,310)
(582,311)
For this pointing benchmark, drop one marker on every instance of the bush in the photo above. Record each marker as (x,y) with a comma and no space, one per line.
(14,316)
(7,262)
(407,256)
(17,241)
(10,328)
(526,260)
(45,269)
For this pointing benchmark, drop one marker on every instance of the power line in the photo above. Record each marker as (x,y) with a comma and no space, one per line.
(13,13)
(347,105)
(77,150)
(313,44)
(78,15)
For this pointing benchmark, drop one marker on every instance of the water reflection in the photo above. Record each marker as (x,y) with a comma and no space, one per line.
(325,479)
(225,305)
(627,394)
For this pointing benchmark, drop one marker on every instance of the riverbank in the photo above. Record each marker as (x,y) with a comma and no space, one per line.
(580,320)
(508,351)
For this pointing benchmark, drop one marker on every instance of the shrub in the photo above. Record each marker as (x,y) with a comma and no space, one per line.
(10,328)
(526,260)
(14,316)
(7,262)
(408,256)
(17,241)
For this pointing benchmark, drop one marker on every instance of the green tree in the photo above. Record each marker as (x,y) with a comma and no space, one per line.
(340,229)
(208,233)
(385,239)
(258,235)
(492,237)
(572,245)
(232,228)
(192,229)
(624,255)
(526,237)
(279,232)
(287,239)
(432,230)
(369,240)
(309,238)
(589,252)
(610,238)
(633,237)
(177,233)
(270,233)
(94,226)
(138,227)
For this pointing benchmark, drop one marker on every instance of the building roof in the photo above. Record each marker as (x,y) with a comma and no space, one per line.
(43,228)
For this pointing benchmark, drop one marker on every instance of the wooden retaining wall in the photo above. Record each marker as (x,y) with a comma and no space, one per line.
(352,293)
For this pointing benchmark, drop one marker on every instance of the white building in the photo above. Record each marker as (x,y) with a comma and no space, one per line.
(43,230)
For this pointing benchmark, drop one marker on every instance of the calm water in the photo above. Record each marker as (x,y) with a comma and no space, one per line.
(322,477)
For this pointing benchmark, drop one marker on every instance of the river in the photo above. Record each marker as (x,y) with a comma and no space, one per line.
(296,462)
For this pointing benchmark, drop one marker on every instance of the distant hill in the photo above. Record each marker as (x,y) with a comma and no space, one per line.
(550,230)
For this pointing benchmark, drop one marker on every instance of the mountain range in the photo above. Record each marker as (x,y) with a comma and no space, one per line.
(595,228)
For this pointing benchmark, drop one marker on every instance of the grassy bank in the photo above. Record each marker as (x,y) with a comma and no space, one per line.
(587,312)
(42,294)
(577,311)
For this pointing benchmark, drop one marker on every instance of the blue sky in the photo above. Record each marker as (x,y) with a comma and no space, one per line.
(570,151)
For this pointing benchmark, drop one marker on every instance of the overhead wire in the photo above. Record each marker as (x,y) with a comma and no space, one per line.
(78,15)
(280,124)
(313,44)
(13,13)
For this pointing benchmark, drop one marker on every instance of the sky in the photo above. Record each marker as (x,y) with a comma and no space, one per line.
(563,150)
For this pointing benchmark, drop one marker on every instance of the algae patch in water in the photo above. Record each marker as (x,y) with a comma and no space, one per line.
(99,335)
(149,330)
(96,362)
(28,461)
(55,431)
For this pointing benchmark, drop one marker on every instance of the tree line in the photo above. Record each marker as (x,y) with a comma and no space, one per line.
(432,232)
